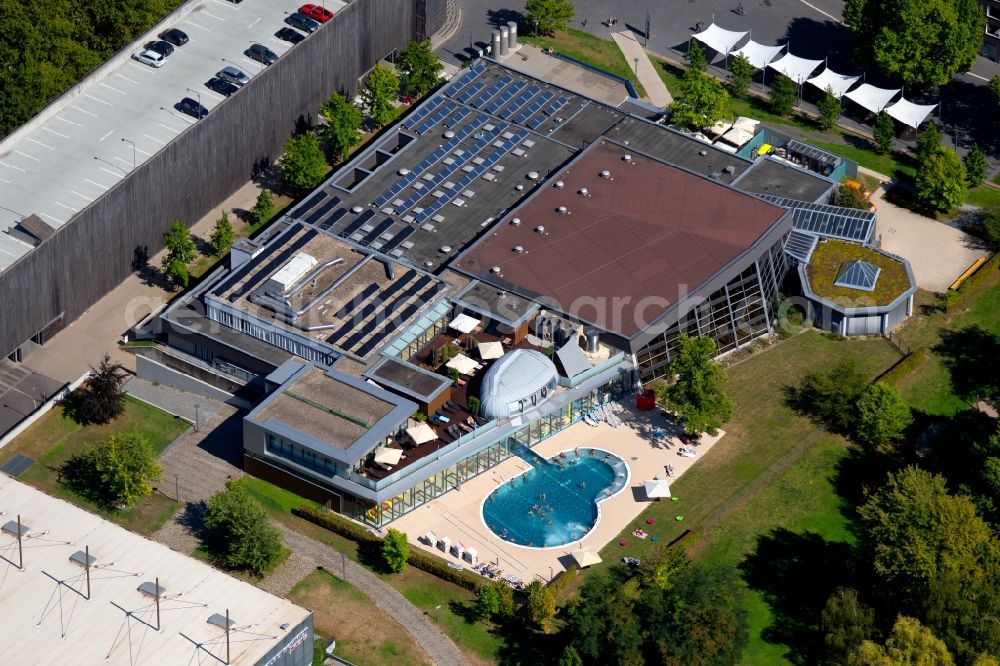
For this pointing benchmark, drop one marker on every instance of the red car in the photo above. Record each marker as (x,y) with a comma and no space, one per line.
(316,12)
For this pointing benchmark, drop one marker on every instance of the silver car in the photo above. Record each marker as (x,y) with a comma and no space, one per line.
(233,75)
(149,57)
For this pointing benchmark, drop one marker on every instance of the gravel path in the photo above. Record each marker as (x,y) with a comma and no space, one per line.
(198,465)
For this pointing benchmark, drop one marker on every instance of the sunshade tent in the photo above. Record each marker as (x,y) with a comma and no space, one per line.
(872,98)
(909,113)
(718,39)
(656,488)
(388,456)
(839,84)
(421,433)
(719,128)
(742,131)
(463,364)
(490,350)
(586,558)
(759,55)
(796,68)
(463,323)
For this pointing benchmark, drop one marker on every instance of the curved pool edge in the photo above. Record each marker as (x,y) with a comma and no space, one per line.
(598,503)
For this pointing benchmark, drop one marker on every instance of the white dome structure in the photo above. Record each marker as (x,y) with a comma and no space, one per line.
(517,381)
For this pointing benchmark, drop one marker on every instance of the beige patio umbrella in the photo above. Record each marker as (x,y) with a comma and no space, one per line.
(464,364)
(421,433)
(388,456)
(585,558)
(490,350)
(657,488)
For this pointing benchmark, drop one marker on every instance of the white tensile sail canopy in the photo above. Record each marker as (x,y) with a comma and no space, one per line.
(909,113)
(718,39)
(839,84)
(759,55)
(796,68)
(872,98)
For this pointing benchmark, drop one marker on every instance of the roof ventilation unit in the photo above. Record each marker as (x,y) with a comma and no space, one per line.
(560,184)
(532,175)
(606,174)
(519,187)
(449,134)
(357,209)
(563,210)
(715,175)
(730,170)
(584,191)
(703,152)
(404,171)
(516,221)
(495,270)
(540,229)
(519,249)
(627,157)
(446,249)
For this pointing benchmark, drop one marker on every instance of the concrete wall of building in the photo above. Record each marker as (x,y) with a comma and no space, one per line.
(150,370)
(192,174)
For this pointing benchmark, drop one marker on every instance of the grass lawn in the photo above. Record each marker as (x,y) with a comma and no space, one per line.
(596,52)
(422,589)
(983,196)
(53,439)
(365,634)
(928,388)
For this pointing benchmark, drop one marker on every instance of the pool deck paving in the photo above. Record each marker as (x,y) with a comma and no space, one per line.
(458,514)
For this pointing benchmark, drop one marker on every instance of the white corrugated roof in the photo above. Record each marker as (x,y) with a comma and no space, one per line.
(516,375)
(48,623)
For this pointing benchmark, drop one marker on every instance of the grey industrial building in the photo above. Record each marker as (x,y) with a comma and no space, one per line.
(506,257)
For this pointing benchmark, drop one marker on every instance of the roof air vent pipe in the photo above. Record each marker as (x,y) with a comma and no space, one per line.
(560,184)
(606,174)
(495,270)
(540,229)
(703,152)
(403,171)
(357,209)
(563,210)
(519,249)
(516,221)
(584,192)
(532,175)
(449,134)
(627,158)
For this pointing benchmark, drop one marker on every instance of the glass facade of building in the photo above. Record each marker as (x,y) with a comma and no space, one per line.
(732,316)
(451,478)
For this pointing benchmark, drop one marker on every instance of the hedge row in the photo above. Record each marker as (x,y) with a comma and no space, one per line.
(421,560)
(904,367)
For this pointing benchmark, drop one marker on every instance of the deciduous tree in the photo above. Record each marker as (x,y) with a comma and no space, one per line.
(883,416)
(418,67)
(703,101)
(570,657)
(830,395)
(180,252)
(846,623)
(303,165)
(125,467)
(343,124)
(941,180)
(921,42)
(494,600)
(698,396)
(380,93)
(783,95)
(264,208)
(829,110)
(928,141)
(909,644)
(541,605)
(884,131)
(740,75)
(240,534)
(695,56)
(222,235)
(547,16)
(975,166)
(395,550)
(849,196)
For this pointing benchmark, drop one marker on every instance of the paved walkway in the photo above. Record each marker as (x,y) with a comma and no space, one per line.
(198,464)
(177,402)
(636,57)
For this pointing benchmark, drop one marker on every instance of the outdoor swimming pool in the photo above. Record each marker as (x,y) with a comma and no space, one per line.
(556,501)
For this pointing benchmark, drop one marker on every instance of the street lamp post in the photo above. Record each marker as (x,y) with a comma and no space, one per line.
(197,421)
(124,140)
(636,68)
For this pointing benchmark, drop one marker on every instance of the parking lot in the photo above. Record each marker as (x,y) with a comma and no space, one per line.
(124,119)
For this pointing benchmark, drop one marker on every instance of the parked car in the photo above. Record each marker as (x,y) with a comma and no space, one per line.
(233,75)
(302,22)
(151,58)
(192,108)
(174,36)
(289,35)
(262,54)
(164,48)
(316,12)
(221,86)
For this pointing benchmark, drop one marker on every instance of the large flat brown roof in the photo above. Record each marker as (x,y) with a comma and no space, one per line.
(649,230)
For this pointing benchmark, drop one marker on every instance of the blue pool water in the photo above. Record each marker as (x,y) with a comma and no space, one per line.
(555,502)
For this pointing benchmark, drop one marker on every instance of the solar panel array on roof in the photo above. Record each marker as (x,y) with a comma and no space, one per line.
(351,228)
(471,91)
(833,221)
(521,100)
(814,154)
(506,95)
(857,274)
(442,113)
(465,79)
(800,245)
(333,219)
(533,108)
(485,97)
(425,110)
(320,211)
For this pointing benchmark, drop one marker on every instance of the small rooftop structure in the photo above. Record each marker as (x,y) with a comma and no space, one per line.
(782,179)
(410,380)
(47,620)
(857,274)
(852,275)
(517,381)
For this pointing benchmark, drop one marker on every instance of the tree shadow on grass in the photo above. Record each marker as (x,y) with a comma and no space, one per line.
(861,469)
(525,645)
(796,573)
(972,356)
